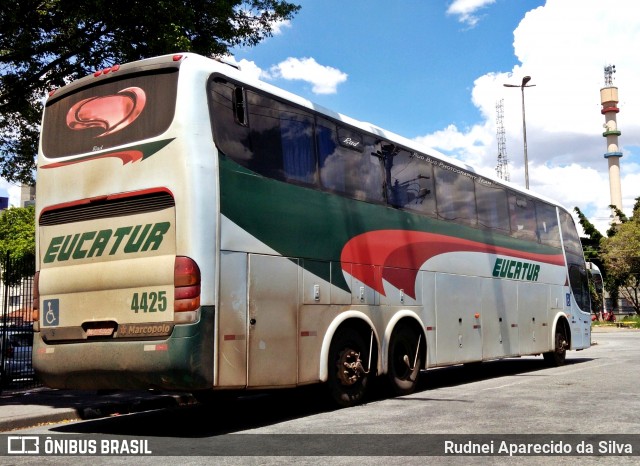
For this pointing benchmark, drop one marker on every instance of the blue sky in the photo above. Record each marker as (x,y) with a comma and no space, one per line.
(410,65)
(434,70)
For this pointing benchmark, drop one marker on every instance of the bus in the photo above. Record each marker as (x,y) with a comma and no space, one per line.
(200,230)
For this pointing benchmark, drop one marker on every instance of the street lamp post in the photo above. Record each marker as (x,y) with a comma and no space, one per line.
(524,84)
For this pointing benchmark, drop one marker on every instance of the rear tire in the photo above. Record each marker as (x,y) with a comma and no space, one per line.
(348,358)
(557,357)
(403,345)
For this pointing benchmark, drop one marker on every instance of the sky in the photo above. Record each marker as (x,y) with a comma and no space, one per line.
(433,71)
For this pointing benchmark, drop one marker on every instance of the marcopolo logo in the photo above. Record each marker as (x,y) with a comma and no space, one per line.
(129,239)
(517,270)
(135,330)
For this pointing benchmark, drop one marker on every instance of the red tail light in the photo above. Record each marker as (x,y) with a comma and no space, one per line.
(187,285)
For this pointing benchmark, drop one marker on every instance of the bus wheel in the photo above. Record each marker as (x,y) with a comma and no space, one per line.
(348,375)
(405,360)
(557,357)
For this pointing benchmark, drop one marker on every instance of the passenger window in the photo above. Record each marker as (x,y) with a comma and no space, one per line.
(570,236)
(455,197)
(493,208)
(263,135)
(348,164)
(548,230)
(523,217)
(282,140)
(231,138)
(409,179)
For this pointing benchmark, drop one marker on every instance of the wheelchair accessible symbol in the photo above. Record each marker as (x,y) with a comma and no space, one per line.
(51,313)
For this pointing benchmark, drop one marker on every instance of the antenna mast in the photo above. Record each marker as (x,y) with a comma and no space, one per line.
(502,169)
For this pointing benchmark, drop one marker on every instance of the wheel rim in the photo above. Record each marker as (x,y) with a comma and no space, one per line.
(349,369)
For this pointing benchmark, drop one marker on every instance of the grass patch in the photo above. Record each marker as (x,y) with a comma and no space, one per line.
(627,322)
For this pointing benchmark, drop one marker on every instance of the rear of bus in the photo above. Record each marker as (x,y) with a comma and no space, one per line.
(125,195)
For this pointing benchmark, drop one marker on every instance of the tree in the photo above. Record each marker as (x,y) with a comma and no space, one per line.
(621,255)
(45,44)
(17,243)
(590,244)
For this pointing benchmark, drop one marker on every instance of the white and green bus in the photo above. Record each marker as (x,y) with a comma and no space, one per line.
(200,230)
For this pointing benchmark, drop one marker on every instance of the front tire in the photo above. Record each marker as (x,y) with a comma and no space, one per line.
(405,360)
(558,356)
(348,361)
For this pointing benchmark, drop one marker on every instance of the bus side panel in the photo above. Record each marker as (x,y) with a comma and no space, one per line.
(458,331)
(534,317)
(232,321)
(499,319)
(273,321)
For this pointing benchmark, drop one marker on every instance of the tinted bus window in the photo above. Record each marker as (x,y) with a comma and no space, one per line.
(580,286)
(282,140)
(455,196)
(570,236)
(523,217)
(348,162)
(110,114)
(231,137)
(493,208)
(548,231)
(409,180)
(270,138)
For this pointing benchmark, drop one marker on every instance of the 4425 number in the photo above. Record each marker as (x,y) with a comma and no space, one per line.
(152,301)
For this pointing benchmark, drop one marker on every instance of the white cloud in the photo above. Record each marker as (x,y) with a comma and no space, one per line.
(247,66)
(565,59)
(278,26)
(324,79)
(466,10)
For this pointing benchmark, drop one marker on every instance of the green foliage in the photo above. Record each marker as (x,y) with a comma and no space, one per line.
(590,244)
(45,44)
(621,255)
(17,243)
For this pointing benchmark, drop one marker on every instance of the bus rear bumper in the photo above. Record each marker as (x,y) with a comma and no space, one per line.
(183,361)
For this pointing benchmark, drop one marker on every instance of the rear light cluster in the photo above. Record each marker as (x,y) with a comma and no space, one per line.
(187,285)
(106,70)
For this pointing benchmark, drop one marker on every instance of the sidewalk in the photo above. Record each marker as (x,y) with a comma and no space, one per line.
(19,410)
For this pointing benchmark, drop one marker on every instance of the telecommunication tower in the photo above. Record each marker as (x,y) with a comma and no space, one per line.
(502,169)
(609,101)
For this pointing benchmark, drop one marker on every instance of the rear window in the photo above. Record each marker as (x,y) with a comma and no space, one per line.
(109,114)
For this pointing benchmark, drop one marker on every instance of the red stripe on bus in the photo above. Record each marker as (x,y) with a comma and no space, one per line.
(311,333)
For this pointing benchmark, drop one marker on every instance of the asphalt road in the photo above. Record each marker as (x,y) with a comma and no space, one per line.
(595,397)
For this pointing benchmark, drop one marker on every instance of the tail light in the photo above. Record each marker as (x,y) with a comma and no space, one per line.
(186,279)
